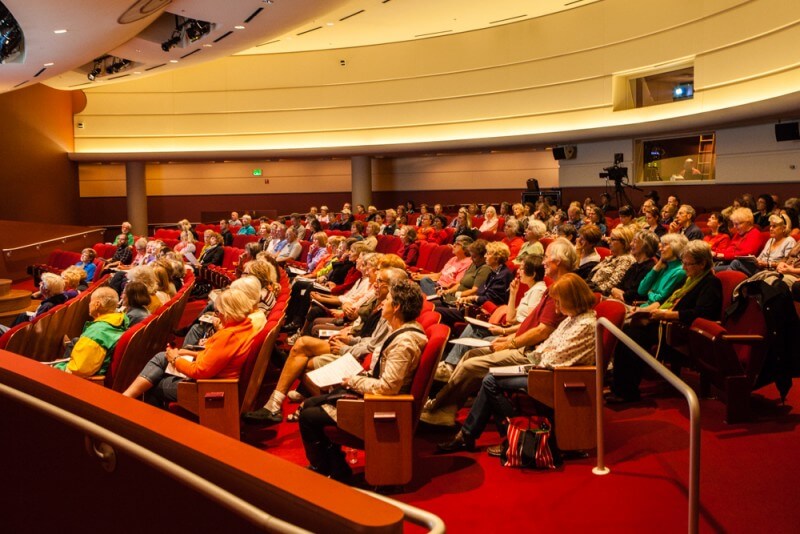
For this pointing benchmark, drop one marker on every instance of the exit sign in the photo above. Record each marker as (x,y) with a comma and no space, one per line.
(256,172)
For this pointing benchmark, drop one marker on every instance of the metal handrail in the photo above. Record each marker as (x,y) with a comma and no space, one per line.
(677,383)
(230,501)
(62,238)
(415,515)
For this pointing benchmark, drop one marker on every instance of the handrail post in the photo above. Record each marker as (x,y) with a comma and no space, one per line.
(677,383)
(600,366)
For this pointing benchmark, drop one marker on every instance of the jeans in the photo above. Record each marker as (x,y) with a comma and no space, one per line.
(427,286)
(491,402)
(455,354)
(165,386)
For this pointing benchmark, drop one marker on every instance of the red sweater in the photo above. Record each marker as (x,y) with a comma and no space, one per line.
(748,244)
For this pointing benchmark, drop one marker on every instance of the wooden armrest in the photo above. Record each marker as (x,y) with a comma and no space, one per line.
(96,379)
(400,398)
(218,381)
(745,339)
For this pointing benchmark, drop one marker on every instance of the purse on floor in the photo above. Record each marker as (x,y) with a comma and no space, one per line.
(527,444)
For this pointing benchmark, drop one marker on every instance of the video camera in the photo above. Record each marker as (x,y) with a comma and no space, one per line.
(615,172)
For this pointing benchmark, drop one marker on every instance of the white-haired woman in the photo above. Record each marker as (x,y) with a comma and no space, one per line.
(222,356)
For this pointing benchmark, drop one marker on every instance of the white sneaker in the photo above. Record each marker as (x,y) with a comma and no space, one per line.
(443,372)
(295,396)
(293,339)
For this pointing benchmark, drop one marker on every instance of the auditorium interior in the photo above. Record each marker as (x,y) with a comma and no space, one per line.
(152,112)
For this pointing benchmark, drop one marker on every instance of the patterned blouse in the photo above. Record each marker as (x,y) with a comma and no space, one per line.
(607,274)
(572,343)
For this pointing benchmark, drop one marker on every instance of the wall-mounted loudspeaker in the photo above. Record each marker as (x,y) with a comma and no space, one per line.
(565,152)
(787,131)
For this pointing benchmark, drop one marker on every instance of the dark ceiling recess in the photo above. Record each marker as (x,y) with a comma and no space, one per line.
(309,31)
(253,15)
(351,15)
(223,36)
(12,40)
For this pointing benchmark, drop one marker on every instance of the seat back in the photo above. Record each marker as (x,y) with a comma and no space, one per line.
(730,279)
(428,360)
(255,367)
(425,250)
(750,321)
(445,254)
(429,318)
(614,311)
(603,252)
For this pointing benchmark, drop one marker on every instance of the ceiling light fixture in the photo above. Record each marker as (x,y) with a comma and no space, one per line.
(239,27)
(59,31)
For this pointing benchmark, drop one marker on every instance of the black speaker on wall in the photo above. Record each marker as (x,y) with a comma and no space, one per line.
(787,131)
(565,152)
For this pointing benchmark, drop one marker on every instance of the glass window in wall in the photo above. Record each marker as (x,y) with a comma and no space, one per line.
(686,158)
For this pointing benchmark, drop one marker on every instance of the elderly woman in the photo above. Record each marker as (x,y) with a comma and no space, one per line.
(745,239)
(589,237)
(667,274)
(222,356)
(775,250)
(451,273)
(390,223)
(213,252)
(51,288)
(607,274)
(145,275)
(490,221)
(265,273)
(74,281)
(513,240)
(474,276)
(318,251)
(532,247)
(643,247)
(571,343)
(392,371)
(700,295)
(494,289)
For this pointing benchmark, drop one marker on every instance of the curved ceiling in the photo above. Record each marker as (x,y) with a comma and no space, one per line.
(63,38)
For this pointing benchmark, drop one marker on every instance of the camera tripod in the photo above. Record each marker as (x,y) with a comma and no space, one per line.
(620,195)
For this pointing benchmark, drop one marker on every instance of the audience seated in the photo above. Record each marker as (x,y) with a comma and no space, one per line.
(588,239)
(512,240)
(391,372)
(91,354)
(246,228)
(87,263)
(643,248)
(490,221)
(571,343)
(718,238)
(667,274)
(608,274)
(532,247)
(684,223)
(745,239)
(453,271)
(775,250)
(700,295)
(560,258)
(135,299)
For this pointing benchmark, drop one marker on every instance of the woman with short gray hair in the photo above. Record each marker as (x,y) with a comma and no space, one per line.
(667,274)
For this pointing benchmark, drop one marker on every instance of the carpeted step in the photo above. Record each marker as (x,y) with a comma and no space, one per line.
(5,286)
(15,299)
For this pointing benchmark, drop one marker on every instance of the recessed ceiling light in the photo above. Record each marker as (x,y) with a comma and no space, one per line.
(137,72)
(59,31)
(239,27)
(49,64)
(207,45)
(329,24)
(173,60)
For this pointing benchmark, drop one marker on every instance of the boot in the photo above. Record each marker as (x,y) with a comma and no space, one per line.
(317,454)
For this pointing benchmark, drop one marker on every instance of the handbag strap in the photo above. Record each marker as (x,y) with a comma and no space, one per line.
(376,371)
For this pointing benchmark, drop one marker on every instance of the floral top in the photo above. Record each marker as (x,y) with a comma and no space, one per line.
(607,274)
(571,343)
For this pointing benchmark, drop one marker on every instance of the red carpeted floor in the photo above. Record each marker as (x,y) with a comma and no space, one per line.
(747,475)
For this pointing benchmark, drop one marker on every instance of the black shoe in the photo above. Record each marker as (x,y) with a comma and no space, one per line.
(263,416)
(613,398)
(461,442)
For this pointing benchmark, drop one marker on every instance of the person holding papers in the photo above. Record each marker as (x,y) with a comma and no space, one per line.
(560,258)
(310,352)
(532,275)
(572,343)
(392,370)
(775,250)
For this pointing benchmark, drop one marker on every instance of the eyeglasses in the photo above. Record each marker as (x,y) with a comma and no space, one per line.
(689,263)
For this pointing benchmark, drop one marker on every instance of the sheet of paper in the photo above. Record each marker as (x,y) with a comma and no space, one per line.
(471,342)
(325,334)
(432,297)
(171,368)
(296,271)
(511,370)
(321,288)
(478,322)
(336,371)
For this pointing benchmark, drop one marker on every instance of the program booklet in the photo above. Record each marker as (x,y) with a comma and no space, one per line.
(336,371)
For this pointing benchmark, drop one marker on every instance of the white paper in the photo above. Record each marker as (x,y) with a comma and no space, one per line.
(320,287)
(432,297)
(296,271)
(510,370)
(478,322)
(336,371)
(325,334)
(207,318)
(171,368)
(471,342)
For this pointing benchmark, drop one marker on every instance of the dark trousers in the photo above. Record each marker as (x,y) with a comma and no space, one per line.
(324,456)
(450,316)
(299,301)
(492,402)
(627,366)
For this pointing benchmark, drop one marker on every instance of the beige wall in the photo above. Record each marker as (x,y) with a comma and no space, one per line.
(547,78)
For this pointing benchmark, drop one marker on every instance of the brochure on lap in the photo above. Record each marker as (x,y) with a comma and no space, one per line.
(336,371)
(478,322)
(471,342)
